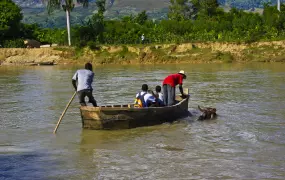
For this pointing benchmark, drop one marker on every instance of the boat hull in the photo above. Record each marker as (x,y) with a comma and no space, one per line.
(129,117)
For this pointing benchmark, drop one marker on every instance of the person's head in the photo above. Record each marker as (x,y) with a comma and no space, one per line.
(183,74)
(158,89)
(144,87)
(88,66)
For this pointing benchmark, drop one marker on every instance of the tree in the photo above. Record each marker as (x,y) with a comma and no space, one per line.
(67,6)
(207,7)
(97,21)
(91,32)
(10,17)
(181,10)
(141,18)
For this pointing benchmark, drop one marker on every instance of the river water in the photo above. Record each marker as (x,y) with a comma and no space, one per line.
(245,141)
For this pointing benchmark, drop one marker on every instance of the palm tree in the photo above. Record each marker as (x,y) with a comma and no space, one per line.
(67,6)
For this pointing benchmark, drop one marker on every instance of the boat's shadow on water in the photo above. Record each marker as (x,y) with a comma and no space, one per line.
(192,116)
(103,136)
(101,139)
(88,135)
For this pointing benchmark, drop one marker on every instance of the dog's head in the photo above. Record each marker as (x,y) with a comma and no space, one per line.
(212,110)
(207,109)
(207,113)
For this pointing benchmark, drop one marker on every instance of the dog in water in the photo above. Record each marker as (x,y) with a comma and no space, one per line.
(207,113)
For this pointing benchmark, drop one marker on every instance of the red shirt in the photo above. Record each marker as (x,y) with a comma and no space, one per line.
(173,80)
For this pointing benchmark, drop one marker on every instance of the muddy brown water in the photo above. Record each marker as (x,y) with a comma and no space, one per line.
(245,141)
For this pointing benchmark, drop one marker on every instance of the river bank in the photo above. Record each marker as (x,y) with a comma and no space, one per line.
(206,52)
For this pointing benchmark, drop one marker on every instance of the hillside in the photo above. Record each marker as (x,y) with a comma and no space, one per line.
(34,11)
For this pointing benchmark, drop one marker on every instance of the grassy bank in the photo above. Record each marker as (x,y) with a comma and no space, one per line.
(207,52)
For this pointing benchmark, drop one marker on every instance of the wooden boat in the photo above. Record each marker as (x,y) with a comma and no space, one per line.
(128,116)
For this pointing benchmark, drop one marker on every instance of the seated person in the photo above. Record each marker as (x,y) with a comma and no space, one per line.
(158,96)
(145,99)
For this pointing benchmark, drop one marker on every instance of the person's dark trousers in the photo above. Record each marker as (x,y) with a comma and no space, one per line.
(88,93)
(168,95)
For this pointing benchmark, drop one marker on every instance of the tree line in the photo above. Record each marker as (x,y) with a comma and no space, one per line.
(188,21)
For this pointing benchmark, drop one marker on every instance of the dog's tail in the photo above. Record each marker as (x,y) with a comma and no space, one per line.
(202,110)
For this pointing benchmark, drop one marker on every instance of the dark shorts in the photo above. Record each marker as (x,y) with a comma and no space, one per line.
(86,92)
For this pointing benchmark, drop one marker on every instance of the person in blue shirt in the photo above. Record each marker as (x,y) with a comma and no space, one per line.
(147,99)
(84,79)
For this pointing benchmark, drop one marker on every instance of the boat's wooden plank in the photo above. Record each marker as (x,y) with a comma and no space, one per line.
(90,115)
(92,124)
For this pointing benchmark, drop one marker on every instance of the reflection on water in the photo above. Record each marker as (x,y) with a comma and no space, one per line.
(246,141)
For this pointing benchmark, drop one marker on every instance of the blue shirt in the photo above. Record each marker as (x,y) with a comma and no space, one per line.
(84,79)
(148,98)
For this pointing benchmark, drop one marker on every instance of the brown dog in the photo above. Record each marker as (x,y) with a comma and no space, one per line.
(207,113)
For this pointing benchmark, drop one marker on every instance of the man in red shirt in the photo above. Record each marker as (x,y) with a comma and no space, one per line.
(169,84)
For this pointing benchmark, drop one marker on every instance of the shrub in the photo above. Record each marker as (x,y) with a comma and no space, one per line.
(17,43)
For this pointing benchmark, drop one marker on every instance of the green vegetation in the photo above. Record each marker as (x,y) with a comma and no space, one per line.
(201,20)
(10,17)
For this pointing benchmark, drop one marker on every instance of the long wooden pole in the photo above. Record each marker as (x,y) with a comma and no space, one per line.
(64,112)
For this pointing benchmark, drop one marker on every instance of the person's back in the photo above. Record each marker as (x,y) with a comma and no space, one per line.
(146,99)
(173,79)
(84,78)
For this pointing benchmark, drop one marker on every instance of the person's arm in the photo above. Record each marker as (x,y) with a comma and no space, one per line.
(74,84)
(92,78)
(152,93)
(152,100)
(74,78)
(181,91)
(180,86)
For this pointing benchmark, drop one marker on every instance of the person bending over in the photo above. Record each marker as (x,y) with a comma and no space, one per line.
(169,84)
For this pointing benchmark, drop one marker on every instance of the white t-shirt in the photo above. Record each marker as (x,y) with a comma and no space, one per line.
(160,96)
(147,98)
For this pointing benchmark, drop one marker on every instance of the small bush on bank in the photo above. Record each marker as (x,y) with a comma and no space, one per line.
(17,43)
(92,45)
(225,57)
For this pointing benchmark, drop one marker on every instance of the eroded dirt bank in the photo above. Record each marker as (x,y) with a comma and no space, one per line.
(212,52)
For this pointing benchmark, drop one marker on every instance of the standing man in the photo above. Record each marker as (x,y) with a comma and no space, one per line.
(84,78)
(169,84)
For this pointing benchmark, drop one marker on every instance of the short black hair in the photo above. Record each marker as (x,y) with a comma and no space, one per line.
(158,88)
(88,66)
(144,87)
